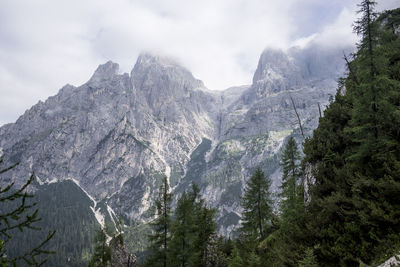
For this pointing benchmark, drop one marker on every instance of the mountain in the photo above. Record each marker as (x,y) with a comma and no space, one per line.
(251,130)
(117,134)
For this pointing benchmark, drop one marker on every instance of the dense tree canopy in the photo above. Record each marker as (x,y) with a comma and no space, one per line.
(257,206)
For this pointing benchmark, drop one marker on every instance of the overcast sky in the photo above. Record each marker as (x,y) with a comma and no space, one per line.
(46,44)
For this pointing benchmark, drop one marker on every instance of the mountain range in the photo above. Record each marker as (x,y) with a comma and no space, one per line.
(116,135)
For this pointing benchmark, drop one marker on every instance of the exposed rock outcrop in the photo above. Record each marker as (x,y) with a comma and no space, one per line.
(120,257)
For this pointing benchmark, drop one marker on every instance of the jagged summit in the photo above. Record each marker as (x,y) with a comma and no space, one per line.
(276,71)
(151,70)
(105,72)
(273,63)
(146,58)
(160,80)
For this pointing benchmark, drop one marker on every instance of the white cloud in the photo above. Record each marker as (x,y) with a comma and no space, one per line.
(45,44)
(338,34)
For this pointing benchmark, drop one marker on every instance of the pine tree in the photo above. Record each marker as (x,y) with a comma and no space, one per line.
(183,231)
(290,180)
(285,245)
(365,115)
(192,230)
(257,206)
(365,27)
(162,226)
(205,230)
(331,192)
(16,213)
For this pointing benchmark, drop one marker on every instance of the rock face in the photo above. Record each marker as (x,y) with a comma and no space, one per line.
(117,134)
(120,257)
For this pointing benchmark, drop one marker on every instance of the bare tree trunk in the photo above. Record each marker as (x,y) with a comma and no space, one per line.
(352,74)
(298,117)
(319,109)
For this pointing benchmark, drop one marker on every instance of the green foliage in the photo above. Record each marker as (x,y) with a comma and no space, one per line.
(352,162)
(183,232)
(65,207)
(257,207)
(284,244)
(215,254)
(18,213)
(188,238)
(354,152)
(290,180)
(160,238)
(254,260)
(235,259)
(136,240)
(192,231)
(309,259)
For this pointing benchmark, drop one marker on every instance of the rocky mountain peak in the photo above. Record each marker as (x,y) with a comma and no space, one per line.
(276,72)
(147,59)
(159,80)
(151,70)
(273,64)
(105,72)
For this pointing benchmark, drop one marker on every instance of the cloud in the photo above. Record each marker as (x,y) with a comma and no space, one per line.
(45,44)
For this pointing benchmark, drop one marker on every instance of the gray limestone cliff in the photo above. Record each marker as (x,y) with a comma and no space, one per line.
(117,134)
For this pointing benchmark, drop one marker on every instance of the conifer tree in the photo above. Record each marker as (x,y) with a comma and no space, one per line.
(367,90)
(354,153)
(257,206)
(162,226)
(292,224)
(183,231)
(192,230)
(235,259)
(16,213)
(290,180)
(205,229)
(365,27)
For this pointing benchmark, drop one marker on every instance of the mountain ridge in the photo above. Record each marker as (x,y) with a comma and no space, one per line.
(118,134)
